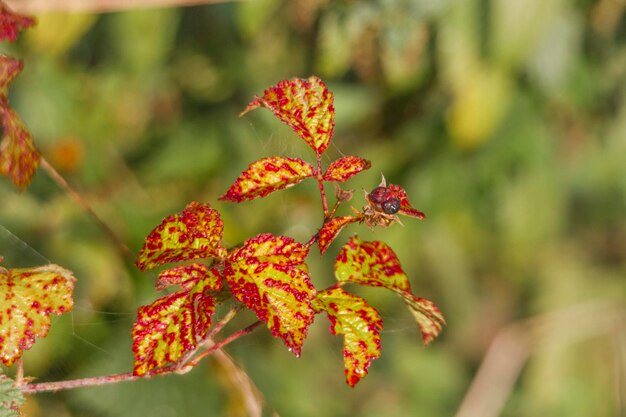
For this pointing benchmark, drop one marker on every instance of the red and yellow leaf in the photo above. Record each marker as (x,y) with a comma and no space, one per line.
(345,168)
(405,206)
(11,24)
(426,314)
(10,68)
(173,325)
(19,158)
(329,232)
(370,263)
(375,264)
(28,298)
(268,275)
(195,233)
(305,105)
(266,176)
(359,323)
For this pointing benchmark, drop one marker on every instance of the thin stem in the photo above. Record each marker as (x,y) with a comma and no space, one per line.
(320,185)
(99,6)
(182,363)
(223,343)
(76,383)
(128,376)
(58,178)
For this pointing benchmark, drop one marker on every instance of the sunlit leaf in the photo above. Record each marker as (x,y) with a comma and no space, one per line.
(19,158)
(329,232)
(28,297)
(426,314)
(370,263)
(375,264)
(267,275)
(9,69)
(359,323)
(11,24)
(266,176)
(305,105)
(344,168)
(405,206)
(173,325)
(11,397)
(194,233)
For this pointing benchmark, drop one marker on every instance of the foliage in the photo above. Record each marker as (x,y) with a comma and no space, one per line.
(268,273)
(503,121)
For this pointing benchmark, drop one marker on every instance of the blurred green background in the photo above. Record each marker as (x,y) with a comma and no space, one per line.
(504,120)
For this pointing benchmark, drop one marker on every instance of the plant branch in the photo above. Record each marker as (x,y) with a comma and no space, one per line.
(58,178)
(192,363)
(514,344)
(33,388)
(99,6)
(320,185)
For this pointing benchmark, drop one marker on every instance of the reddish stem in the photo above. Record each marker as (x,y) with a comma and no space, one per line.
(320,185)
(192,363)
(128,376)
(58,178)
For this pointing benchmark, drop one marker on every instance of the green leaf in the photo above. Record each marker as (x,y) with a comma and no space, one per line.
(19,158)
(304,105)
(359,323)
(375,264)
(11,397)
(266,176)
(28,297)
(195,233)
(370,263)
(173,325)
(268,275)
(345,168)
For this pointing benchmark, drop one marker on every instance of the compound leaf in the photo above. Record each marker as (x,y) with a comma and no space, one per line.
(345,168)
(194,233)
(305,105)
(28,298)
(11,397)
(375,264)
(19,158)
(266,176)
(329,232)
(268,275)
(359,323)
(173,325)
(11,24)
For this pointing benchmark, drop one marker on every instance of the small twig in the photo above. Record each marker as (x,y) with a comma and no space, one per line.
(320,185)
(99,6)
(19,374)
(208,339)
(192,363)
(513,345)
(58,178)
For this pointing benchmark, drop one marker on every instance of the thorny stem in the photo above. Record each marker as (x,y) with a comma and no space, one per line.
(58,178)
(320,185)
(34,388)
(192,363)
(182,363)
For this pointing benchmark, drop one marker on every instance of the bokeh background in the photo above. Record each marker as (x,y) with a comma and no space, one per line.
(505,121)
